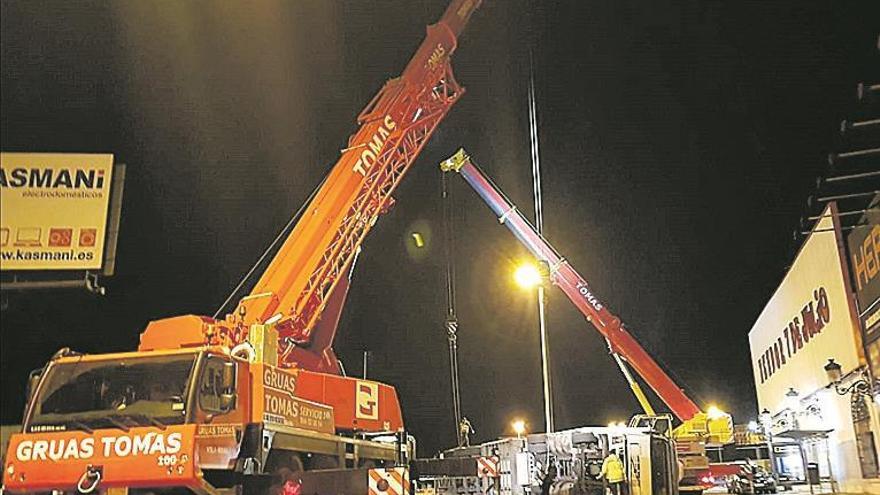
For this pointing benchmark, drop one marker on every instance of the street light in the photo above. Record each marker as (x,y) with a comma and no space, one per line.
(767,422)
(519,427)
(833,370)
(528,276)
(860,387)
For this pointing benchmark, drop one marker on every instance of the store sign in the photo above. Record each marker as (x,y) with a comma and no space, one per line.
(54,213)
(864,257)
(800,331)
(808,320)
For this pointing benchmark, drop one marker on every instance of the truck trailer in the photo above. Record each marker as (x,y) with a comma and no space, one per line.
(564,462)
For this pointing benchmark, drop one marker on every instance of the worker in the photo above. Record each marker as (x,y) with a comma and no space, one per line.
(465,430)
(548,480)
(612,471)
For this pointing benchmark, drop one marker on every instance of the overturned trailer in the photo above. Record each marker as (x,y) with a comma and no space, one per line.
(572,459)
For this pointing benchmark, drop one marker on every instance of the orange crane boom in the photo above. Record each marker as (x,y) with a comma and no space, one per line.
(311,267)
(300,295)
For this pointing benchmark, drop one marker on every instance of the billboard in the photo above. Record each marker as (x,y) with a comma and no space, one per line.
(864,257)
(808,320)
(53,210)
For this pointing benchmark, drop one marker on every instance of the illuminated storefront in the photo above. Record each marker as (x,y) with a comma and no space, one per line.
(812,372)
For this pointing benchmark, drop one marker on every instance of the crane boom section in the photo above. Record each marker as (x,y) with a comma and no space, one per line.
(297,284)
(575,288)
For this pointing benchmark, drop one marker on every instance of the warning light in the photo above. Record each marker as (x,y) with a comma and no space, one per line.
(715,412)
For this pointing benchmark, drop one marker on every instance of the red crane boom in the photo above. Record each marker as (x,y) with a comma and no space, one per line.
(576,289)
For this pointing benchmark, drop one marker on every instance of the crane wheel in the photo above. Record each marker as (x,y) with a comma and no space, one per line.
(284,467)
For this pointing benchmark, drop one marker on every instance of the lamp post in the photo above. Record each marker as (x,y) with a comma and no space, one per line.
(766,423)
(519,427)
(528,276)
(859,387)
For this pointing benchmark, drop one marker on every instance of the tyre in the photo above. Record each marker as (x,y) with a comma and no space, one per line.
(283,467)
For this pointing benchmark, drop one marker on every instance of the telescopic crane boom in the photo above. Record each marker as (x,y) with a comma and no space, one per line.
(578,291)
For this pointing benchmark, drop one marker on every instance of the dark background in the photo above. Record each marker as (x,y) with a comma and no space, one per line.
(679,141)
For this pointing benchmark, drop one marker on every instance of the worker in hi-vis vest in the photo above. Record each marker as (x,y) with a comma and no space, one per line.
(612,471)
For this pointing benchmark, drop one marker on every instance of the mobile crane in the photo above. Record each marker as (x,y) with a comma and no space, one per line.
(697,427)
(256,398)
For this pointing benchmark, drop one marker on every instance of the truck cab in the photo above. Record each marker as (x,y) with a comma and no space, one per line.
(161,388)
(196,418)
(129,419)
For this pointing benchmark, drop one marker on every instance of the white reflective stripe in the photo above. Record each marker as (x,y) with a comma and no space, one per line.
(397,479)
(487,467)
(394,485)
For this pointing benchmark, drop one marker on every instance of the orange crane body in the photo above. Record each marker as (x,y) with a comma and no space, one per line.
(303,289)
(207,403)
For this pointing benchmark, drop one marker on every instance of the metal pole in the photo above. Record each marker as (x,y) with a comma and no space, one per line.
(545,365)
(806,465)
(834,487)
(772,454)
(366,359)
(539,227)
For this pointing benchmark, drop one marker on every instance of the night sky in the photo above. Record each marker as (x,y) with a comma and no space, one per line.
(679,142)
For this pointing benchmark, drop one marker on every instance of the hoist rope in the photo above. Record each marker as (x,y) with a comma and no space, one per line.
(451,323)
(282,234)
(536,158)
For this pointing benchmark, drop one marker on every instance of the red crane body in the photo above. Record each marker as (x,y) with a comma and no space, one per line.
(576,289)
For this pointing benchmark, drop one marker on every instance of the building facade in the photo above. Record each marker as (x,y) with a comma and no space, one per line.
(810,329)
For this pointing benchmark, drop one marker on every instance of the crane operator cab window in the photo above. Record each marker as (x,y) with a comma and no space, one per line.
(217,386)
(100,393)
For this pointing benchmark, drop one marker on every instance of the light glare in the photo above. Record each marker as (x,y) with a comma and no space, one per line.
(527,276)
(715,412)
